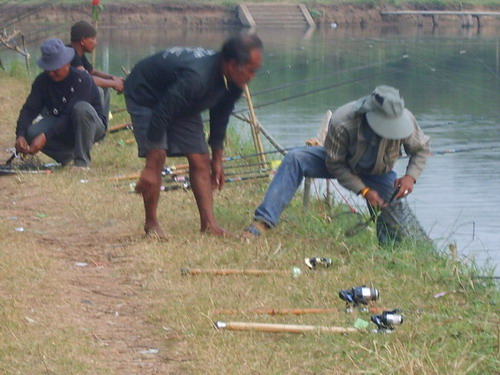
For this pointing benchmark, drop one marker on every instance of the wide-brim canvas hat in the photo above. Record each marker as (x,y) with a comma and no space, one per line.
(386,113)
(54,54)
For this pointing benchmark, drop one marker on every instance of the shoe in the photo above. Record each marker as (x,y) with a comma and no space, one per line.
(255,229)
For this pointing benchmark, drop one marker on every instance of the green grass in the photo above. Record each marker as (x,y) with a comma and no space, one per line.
(455,334)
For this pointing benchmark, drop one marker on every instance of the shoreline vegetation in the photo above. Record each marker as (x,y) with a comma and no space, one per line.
(83,292)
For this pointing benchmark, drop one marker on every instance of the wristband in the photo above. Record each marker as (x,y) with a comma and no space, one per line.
(364,191)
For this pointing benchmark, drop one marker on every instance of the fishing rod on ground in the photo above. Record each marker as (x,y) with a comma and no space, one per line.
(225,159)
(187,186)
(182,168)
(180,175)
(27,166)
(181,178)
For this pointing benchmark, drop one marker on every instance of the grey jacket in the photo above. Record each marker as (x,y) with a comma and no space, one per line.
(345,145)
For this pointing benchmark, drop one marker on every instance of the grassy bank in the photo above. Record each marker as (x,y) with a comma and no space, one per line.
(129,310)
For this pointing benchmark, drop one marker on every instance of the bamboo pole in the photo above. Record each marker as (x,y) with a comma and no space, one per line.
(26,55)
(116,128)
(255,128)
(266,134)
(281,328)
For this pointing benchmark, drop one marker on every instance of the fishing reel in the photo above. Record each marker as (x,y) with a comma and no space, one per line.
(360,295)
(312,263)
(387,321)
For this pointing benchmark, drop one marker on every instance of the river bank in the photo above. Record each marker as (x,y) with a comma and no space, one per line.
(211,16)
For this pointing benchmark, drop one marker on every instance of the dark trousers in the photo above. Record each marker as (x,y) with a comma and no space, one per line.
(86,129)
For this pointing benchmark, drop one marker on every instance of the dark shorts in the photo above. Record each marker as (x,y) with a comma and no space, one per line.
(184,136)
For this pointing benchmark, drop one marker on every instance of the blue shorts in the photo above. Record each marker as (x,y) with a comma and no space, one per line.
(183,136)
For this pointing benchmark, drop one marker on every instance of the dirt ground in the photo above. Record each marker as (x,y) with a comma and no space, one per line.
(99,298)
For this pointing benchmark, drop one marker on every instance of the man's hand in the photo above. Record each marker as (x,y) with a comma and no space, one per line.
(405,186)
(217,170)
(217,174)
(374,199)
(22,145)
(38,143)
(118,84)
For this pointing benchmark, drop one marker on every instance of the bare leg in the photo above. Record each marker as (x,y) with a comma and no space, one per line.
(149,186)
(199,175)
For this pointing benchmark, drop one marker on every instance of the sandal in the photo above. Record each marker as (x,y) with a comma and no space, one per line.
(255,229)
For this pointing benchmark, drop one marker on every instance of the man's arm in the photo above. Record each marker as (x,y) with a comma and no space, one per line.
(336,145)
(106,80)
(219,118)
(31,108)
(417,147)
(217,174)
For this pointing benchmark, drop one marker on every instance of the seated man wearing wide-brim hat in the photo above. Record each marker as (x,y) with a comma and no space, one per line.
(73,119)
(362,143)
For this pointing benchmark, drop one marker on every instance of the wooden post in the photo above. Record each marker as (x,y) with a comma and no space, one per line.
(254,125)
(307,193)
(26,55)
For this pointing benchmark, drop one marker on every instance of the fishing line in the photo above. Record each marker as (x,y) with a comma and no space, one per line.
(322,76)
(450,81)
(486,65)
(329,87)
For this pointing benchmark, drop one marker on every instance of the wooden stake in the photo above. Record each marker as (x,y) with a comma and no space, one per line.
(115,128)
(259,147)
(281,328)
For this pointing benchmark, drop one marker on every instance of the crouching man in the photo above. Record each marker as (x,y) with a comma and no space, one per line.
(69,102)
(363,142)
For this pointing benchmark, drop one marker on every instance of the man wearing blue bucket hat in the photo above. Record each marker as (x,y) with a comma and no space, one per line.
(73,119)
(359,146)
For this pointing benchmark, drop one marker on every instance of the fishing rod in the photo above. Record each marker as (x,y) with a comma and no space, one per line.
(187,186)
(329,87)
(455,151)
(179,169)
(119,127)
(322,76)
(183,178)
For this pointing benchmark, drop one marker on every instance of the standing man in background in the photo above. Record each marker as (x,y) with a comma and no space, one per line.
(165,95)
(84,40)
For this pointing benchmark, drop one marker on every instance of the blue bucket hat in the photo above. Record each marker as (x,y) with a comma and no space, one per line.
(54,54)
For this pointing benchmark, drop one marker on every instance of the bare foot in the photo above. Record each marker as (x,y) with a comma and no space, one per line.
(216,231)
(155,231)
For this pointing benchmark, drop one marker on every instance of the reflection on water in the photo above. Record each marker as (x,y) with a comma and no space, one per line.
(450,78)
